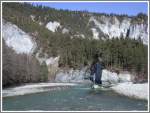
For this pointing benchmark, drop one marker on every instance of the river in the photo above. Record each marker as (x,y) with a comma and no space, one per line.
(75,98)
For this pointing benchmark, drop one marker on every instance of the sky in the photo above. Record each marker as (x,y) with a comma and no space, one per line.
(129,8)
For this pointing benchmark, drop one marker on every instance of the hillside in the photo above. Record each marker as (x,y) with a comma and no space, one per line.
(74,37)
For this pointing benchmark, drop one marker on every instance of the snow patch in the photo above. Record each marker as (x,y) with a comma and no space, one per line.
(114,78)
(125,77)
(32,88)
(139,91)
(110,77)
(121,83)
(14,37)
(70,76)
(79,75)
(52,26)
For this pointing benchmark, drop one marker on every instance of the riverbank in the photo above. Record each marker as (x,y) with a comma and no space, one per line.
(34,88)
(76,98)
(139,91)
(121,83)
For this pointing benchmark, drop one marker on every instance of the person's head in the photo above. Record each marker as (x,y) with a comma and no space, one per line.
(85,63)
(97,57)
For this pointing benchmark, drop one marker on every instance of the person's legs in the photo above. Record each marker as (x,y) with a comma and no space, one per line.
(101,78)
(91,78)
(98,79)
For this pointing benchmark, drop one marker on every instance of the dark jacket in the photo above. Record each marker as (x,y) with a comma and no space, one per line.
(97,70)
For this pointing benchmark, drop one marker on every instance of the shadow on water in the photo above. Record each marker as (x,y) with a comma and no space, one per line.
(74,99)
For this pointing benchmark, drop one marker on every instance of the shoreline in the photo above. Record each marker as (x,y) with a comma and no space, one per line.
(34,88)
(137,91)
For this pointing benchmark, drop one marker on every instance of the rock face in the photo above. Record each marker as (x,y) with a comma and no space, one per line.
(52,64)
(78,76)
(70,76)
(17,39)
(52,26)
(113,77)
(111,27)
(139,31)
(21,52)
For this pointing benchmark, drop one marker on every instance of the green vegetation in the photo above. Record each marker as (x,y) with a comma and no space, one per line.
(43,72)
(140,19)
(121,53)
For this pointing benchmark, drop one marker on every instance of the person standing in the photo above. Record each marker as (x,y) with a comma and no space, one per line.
(96,70)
